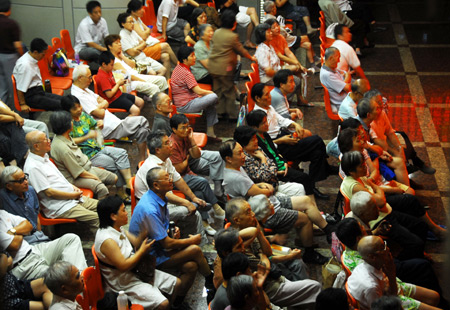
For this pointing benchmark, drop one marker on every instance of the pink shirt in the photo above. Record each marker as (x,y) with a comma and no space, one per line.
(182,82)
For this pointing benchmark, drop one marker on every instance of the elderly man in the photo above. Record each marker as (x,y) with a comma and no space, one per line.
(163,107)
(29,80)
(336,81)
(281,292)
(348,105)
(181,210)
(59,198)
(134,127)
(32,261)
(90,34)
(66,282)
(382,134)
(151,215)
(375,277)
(20,199)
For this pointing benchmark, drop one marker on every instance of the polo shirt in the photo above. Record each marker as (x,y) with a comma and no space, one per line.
(152,214)
(275,120)
(88,32)
(347,108)
(180,150)
(348,56)
(182,81)
(26,207)
(105,82)
(27,73)
(88,101)
(280,103)
(334,82)
(81,128)
(152,161)
(44,175)
(8,221)
(169,9)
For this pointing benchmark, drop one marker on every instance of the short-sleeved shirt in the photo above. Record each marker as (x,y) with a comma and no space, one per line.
(381,127)
(60,303)
(169,9)
(279,44)
(280,103)
(161,122)
(9,33)
(267,58)
(44,175)
(334,82)
(151,212)
(236,183)
(105,82)
(348,108)
(348,56)
(182,82)
(88,101)
(81,128)
(68,158)
(180,150)
(275,120)
(152,161)
(201,53)
(194,33)
(27,73)
(26,207)
(8,221)
(88,32)
(131,39)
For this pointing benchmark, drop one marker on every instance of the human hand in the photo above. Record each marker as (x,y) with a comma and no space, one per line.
(25,108)
(199,201)
(92,134)
(121,82)
(287,139)
(195,239)
(382,229)
(19,120)
(176,233)
(146,245)
(259,154)
(100,124)
(295,254)
(191,208)
(386,156)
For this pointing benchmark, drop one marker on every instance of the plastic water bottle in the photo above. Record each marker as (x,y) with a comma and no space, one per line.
(122,301)
(77,58)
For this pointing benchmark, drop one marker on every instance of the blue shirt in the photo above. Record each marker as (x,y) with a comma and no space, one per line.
(279,103)
(348,108)
(152,214)
(27,207)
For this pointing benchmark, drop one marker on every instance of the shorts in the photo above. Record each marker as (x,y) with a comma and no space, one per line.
(282,221)
(125,101)
(153,51)
(285,200)
(242,18)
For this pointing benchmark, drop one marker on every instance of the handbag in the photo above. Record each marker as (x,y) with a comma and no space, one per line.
(330,271)
(145,269)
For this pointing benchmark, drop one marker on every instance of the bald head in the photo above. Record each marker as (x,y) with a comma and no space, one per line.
(361,86)
(32,138)
(370,245)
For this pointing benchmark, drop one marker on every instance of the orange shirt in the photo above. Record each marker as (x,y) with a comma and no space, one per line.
(279,44)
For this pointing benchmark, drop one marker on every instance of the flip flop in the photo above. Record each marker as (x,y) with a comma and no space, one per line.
(308,104)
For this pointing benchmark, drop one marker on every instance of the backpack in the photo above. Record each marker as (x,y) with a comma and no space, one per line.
(59,64)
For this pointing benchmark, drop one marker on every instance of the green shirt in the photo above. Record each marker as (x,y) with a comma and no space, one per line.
(278,160)
(89,147)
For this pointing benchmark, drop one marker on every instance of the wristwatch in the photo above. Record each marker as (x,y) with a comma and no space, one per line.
(13,231)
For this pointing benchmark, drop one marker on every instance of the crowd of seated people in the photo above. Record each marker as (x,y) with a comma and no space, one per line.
(184,193)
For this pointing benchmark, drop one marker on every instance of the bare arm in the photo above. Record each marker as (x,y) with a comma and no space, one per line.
(193,3)
(92,134)
(112,251)
(137,49)
(142,33)
(110,93)
(200,91)
(24,228)
(96,46)
(164,27)
(188,39)
(98,113)
(169,243)
(60,195)
(181,167)
(256,190)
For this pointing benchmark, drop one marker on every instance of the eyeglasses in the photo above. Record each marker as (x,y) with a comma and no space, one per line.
(21,180)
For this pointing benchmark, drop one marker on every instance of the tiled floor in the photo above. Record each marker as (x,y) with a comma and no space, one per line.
(410,66)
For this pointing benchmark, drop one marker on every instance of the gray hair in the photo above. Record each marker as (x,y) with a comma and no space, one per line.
(7,175)
(58,274)
(372,93)
(363,108)
(31,138)
(268,6)
(232,208)
(330,52)
(154,140)
(202,29)
(260,206)
(156,98)
(225,240)
(359,202)
(153,176)
(79,71)
(237,288)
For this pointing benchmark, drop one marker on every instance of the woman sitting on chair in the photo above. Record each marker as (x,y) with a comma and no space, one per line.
(119,252)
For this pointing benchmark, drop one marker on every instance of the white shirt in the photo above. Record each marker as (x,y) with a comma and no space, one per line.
(60,303)
(347,108)
(348,56)
(334,82)
(44,175)
(152,161)
(88,31)
(150,40)
(169,9)
(27,73)
(344,5)
(88,101)
(8,221)
(267,58)
(275,120)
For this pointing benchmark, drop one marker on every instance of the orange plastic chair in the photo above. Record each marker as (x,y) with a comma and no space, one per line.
(346,207)
(347,271)
(351,300)
(254,75)
(192,117)
(326,100)
(16,98)
(250,102)
(112,110)
(325,41)
(133,197)
(149,12)
(56,81)
(45,221)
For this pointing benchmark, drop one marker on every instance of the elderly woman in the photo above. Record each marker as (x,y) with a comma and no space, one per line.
(70,160)
(85,134)
(354,167)
(198,18)
(144,54)
(202,51)
(119,252)
(143,83)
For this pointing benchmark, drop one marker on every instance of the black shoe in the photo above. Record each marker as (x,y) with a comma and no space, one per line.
(319,195)
(313,257)
(427,169)
(415,185)
(411,168)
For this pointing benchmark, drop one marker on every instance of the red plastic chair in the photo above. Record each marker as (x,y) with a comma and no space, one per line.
(351,300)
(346,207)
(56,81)
(325,41)
(16,98)
(254,75)
(150,15)
(326,100)
(67,43)
(133,197)
(250,102)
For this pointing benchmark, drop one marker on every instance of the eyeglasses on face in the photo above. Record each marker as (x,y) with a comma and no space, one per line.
(21,180)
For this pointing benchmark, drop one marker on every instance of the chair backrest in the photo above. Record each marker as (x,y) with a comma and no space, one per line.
(255,76)
(57,43)
(347,271)
(151,14)
(326,100)
(133,197)
(250,102)
(67,43)
(16,97)
(94,80)
(351,300)
(93,287)
(44,62)
(346,207)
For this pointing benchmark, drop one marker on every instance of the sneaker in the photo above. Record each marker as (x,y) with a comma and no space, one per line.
(218,211)
(313,257)
(209,230)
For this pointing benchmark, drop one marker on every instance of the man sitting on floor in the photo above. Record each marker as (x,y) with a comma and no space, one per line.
(32,261)
(336,81)
(29,81)
(182,211)
(133,127)
(171,252)
(20,199)
(59,198)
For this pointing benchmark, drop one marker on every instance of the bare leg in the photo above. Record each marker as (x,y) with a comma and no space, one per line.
(437,230)
(306,44)
(248,42)
(165,48)
(427,296)
(400,171)
(304,229)
(134,110)
(307,22)
(304,204)
(164,305)
(165,59)
(175,292)
(142,151)
(162,71)
(126,173)
(191,253)
(253,16)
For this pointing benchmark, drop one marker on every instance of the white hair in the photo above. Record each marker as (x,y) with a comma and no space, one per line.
(359,202)
(79,70)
